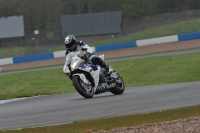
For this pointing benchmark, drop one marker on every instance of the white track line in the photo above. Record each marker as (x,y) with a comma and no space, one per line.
(11,100)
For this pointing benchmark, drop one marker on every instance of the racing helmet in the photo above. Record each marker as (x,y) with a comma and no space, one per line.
(70,43)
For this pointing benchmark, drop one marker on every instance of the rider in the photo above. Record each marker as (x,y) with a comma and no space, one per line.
(74,45)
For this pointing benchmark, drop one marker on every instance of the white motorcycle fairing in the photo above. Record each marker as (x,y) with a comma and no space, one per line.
(89,79)
(94,74)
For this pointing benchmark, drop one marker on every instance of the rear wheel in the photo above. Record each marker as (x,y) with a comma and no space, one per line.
(120,86)
(83,89)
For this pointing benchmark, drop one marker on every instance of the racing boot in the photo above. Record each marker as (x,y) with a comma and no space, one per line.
(98,61)
(108,69)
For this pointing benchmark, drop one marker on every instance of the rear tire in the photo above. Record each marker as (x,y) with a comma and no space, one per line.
(119,88)
(80,89)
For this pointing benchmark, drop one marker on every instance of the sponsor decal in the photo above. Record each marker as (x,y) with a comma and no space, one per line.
(105,86)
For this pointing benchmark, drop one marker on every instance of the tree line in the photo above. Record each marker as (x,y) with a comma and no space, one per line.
(45,14)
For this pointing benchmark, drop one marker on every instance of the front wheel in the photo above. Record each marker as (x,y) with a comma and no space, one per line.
(120,86)
(83,89)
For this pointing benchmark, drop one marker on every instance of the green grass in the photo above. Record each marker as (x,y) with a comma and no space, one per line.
(35,83)
(115,122)
(14,51)
(160,70)
(6,52)
(159,31)
(140,72)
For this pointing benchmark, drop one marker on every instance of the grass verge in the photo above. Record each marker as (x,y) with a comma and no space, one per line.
(140,72)
(158,31)
(115,122)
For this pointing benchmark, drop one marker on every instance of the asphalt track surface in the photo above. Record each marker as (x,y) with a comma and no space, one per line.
(67,108)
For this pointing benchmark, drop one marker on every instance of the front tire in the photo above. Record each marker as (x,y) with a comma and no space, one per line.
(119,88)
(82,89)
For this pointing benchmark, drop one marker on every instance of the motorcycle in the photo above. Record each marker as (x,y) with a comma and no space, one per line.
(89,79)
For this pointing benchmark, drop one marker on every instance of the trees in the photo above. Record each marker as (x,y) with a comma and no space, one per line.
(45,14)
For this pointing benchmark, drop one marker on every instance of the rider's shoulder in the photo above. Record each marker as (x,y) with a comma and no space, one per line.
(81,43)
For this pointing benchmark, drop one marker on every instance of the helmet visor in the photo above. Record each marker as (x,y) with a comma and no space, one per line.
(71,47)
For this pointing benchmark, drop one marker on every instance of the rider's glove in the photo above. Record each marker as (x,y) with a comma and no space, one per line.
(86,56)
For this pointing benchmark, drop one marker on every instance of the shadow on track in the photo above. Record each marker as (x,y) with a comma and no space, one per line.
(97,97)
